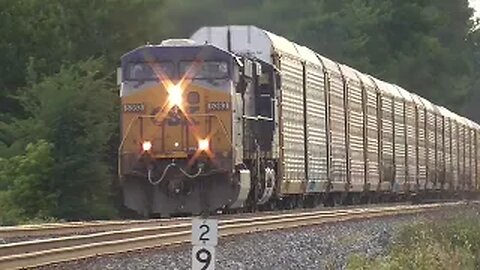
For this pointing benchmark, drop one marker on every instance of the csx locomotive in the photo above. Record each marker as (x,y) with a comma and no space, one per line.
(238,117)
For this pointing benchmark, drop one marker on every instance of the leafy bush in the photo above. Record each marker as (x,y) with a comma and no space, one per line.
(69,177)
(451,244)
(26,185)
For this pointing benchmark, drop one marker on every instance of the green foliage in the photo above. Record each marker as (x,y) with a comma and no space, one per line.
(75,110)
(26,185)
(37,37)
(451,244)
(50,90)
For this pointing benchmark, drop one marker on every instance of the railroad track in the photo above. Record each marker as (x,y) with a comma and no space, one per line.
(47,251)
(79,227)
(26,232)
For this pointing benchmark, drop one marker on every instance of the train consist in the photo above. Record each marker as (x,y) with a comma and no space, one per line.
(238,117)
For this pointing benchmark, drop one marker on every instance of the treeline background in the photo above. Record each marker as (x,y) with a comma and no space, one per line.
(59,102)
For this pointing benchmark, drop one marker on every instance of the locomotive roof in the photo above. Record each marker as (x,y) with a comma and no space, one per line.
(188,51)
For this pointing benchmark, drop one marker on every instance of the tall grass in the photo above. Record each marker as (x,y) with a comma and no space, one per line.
(448,244)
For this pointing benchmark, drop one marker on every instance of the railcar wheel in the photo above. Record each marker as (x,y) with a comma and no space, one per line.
(311,201)
(299,202)
(346,198)
(330,199)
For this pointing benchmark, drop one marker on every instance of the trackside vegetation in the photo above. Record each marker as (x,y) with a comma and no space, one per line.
(59,130)
(450,244)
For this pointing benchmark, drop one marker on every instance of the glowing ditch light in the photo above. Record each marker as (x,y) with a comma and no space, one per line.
(175,95)
(146,146)
(203,145)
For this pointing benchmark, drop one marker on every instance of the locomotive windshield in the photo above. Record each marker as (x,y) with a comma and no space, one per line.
(144,71)
(204,70)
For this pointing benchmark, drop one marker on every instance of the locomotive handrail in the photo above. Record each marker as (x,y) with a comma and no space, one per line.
(257,118)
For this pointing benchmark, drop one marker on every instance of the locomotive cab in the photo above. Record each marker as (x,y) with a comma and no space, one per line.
(181,132)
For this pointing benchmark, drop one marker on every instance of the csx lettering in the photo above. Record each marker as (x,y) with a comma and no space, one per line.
(218,106)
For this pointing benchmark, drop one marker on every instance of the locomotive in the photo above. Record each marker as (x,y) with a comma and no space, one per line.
(237,117)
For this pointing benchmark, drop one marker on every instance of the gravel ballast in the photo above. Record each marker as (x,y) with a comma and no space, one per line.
(325,246)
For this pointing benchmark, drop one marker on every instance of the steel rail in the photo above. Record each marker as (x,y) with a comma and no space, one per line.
(48,251)
(79,227)
(75,240)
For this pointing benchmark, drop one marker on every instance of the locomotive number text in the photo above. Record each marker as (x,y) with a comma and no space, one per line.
(218,106)
(133,107)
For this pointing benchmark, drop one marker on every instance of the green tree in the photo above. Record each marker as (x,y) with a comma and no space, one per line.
(42,35)
(75,110)
(26,185)
(45,94)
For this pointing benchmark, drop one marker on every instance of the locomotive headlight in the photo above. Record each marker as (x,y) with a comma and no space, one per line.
(203,144)
(147,146)
(175,95)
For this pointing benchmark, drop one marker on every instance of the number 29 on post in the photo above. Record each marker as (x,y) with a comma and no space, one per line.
(204,240)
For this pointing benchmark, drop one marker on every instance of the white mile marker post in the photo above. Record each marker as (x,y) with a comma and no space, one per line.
(204,240)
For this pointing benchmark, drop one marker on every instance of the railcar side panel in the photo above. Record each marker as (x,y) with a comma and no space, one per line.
(455,159)
(399,111)
(464,136)
(477,158)
(355,107)
(337,128)
(422,151)
(461,156)
(440,158)
(430,145)
(472,159)
(448,152)
(469,158)
(316,133)
(372,138)
(387,139)
(292,125)
(411,144)
(456,153)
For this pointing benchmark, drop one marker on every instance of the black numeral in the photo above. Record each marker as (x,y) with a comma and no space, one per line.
(202,236)
(204,256)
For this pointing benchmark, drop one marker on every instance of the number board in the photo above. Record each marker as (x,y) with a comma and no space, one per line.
(133,107)
(204,232)
(203,258)
(218,106)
